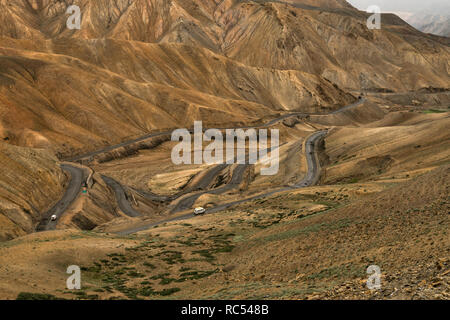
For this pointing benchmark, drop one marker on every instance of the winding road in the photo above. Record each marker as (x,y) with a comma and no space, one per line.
(121,197)
(310,178)
(161,134)
(78,176)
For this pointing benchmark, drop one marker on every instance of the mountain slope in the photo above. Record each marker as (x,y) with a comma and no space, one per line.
(144,65)
(78,104)
(267,34)
(30,182)
(234,61)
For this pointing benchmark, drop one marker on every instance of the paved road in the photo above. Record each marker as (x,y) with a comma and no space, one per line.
(235,181)
(357,103)
(121,197)
(202,184)
(77,177)
(116,146)
(309,179)
(188,202)
(313,173)
(161,134)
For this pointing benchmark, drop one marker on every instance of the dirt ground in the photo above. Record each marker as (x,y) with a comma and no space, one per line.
(384,201)
(309,244)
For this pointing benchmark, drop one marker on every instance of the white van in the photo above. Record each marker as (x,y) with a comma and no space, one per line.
(199,210)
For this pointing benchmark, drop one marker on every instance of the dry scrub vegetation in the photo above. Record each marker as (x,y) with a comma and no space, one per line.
(143,66)
(315,243)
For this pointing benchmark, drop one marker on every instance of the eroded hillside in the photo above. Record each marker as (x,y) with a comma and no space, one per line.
(29,180)
(138,66)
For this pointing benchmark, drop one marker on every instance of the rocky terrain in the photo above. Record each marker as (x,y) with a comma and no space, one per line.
(134,65)
(137,67)
(29,179)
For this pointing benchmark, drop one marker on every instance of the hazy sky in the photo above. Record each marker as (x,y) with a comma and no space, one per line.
(404,5)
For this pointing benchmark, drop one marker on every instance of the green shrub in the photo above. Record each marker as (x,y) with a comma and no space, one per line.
(168,292)
(36,296)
